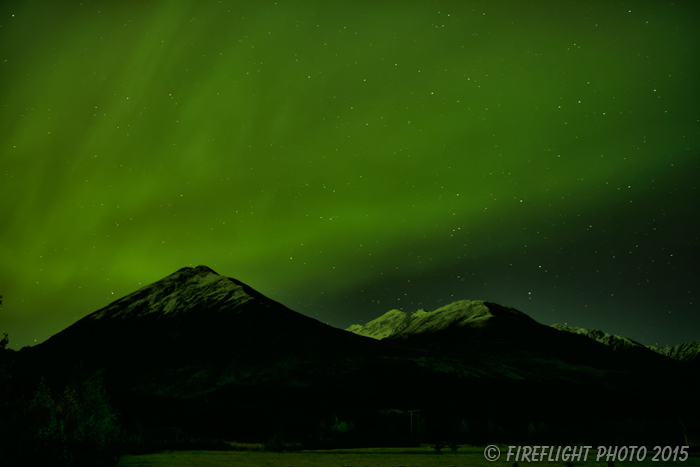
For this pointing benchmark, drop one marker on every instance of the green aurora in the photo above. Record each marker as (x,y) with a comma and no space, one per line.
(346,158)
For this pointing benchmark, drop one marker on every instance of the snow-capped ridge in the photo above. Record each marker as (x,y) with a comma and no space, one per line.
(462,313)
(614,341)
(686,352)
(185,289)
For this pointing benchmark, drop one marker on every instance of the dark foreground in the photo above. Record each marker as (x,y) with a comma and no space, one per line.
(371,457)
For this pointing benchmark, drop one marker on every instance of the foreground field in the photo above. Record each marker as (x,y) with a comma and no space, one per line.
(378,457)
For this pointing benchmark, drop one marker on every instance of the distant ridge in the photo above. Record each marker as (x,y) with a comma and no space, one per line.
(687,352)
(491,337)
(460,314)
(616,342)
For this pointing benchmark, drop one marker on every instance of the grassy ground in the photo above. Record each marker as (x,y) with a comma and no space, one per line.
(379,457)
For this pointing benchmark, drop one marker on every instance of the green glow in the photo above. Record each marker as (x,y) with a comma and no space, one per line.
(308,147)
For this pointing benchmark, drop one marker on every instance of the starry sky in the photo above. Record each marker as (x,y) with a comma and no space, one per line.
(350,157)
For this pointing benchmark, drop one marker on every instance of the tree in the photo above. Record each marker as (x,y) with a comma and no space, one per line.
(75,426)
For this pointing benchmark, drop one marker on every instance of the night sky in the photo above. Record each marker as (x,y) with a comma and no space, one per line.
(346,158)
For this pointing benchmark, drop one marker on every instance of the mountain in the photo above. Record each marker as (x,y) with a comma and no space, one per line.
(463,313)
(492,338)
(616,342)
(490,322)
(687,352)
(384,326)
(193,333)
(201,349)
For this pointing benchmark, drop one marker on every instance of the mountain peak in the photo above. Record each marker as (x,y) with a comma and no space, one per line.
(199,270)
(462,313)
(185,289)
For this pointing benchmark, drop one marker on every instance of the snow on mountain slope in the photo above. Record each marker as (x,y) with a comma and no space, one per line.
(463,313)
(686,352)
(177,293)
(616,342)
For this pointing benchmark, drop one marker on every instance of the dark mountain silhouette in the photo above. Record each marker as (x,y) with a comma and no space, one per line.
(202,349)
(196,332)
(486,338)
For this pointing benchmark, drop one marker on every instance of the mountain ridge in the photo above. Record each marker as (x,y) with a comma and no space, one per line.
(478,313)
(685,352)
(207,345)
(614,341)
(461,313)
